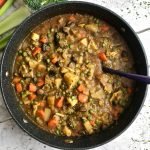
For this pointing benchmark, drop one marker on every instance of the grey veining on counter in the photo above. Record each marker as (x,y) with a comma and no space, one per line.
(137,136)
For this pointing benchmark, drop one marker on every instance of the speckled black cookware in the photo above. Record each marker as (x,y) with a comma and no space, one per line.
(8,61)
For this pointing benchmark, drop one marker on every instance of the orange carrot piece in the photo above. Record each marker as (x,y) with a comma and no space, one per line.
(16,80)
(102,56)
(72,18)
(40,82)
(92,122)
(2,2)
(36,51)
(52,123)
(81,34)
(32,87)
(40,113)
(59,102)
(42,104)
(32,96)
(18,87)
(82,98)
(54,59)
(43,39)
(86,91)
(81,88)
(19,58)
(104,28)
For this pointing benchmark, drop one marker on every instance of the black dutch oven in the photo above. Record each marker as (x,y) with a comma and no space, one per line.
(9,96)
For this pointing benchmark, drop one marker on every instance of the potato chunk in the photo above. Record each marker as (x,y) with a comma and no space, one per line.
(91,68)
(67,131)
(35,36)
(51,101)
(98,94)
(92,27)
(41,67)
(92,45)
(71,79)
(33,63)
(58,82)
(88,127)
(72,101)
(47,113)
(84,42)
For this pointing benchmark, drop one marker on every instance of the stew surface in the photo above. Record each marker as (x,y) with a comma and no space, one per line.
(58,77)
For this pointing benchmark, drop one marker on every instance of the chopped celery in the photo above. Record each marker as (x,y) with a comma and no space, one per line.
(14,19)
(5,38)
(5,7)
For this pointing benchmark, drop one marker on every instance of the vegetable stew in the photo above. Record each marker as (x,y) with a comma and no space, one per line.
(58,77)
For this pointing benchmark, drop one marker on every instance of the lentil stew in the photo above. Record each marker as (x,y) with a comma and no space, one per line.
(58,77)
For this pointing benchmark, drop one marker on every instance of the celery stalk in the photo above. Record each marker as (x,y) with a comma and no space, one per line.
(14,19)
(5,38)
(5,6)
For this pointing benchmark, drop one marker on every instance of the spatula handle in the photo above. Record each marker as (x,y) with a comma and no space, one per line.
(140,78)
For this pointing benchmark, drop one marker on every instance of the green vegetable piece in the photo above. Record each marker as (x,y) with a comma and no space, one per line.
(14,19)
(6,6)
(35,5)
(5,39)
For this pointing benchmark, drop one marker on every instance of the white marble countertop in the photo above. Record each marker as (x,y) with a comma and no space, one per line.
(137,136)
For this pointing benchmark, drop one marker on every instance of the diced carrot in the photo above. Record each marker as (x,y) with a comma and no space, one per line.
(130,90)
(104,28)
(43,39)
(102,56)
(82,98)
(40,113)
(16,80)
(81,88)
(2,2)
(32,87)
(52,123)
(59,102)
(42,104)
(40,82)
(19,58)
(81,34)
(18,87)
(36,51)
(41,67)
(32,96)
(72,18)
(54,59)
(86,91)
(92,122)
